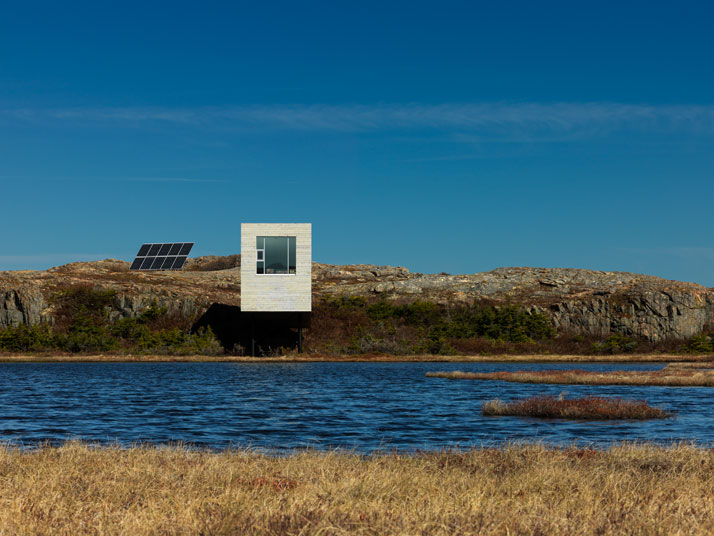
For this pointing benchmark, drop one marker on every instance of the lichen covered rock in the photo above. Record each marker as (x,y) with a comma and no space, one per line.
(584,302)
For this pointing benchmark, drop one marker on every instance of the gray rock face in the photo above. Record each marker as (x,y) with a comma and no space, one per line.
(26,297)
(17,307)
(578,301)
(584,302)
(21,302)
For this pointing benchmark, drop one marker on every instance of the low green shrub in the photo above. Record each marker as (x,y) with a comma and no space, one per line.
(420,327)
(699,344)
(615,344)
(24,338)
(508,323)
(82,324)
(346,302)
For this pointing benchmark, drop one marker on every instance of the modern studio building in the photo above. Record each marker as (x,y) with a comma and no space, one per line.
(276,276)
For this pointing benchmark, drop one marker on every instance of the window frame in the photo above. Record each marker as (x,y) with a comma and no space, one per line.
(260,255)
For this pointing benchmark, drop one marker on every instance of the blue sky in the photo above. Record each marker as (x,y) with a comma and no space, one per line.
(441,136)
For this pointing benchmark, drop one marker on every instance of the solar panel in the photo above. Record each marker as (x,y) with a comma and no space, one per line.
(165,256)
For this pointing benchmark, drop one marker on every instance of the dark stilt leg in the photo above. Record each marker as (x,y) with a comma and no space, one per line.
(300,339)
(252,336)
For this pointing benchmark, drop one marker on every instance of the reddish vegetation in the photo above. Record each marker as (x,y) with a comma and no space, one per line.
(667,376)
(589,407)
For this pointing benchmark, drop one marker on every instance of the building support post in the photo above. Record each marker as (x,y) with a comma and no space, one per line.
(300,339)
(252,335)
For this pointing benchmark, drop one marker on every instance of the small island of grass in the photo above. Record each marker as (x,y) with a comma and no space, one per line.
(668,376)
(589,407)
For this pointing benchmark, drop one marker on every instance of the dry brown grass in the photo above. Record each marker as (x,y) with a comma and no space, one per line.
(588,407)
(528,489)
(211,263)
(704,365)
(672,376)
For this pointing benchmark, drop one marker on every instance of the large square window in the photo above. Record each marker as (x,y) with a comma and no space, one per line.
(275,254)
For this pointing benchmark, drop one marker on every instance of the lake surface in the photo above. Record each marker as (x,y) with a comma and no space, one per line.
(361,406)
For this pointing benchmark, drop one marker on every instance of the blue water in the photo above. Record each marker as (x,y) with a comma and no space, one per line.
(361,406)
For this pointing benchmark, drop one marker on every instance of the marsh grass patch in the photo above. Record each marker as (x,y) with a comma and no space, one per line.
(668,376)
(589,407)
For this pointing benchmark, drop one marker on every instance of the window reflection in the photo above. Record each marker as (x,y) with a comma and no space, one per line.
(276,254)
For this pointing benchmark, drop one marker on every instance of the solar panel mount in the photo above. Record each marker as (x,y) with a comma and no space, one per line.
(162,256)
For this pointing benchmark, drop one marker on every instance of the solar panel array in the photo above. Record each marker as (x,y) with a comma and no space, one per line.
(166,256)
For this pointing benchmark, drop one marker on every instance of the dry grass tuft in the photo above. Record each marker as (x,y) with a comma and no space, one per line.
(704,365)
(589,407)
(212,263)
(518,489)
(672,376)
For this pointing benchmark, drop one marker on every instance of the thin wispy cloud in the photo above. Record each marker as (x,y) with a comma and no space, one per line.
(120,179)
(456,157)
(549,117)
(163,179)
(696,253)
(41,258)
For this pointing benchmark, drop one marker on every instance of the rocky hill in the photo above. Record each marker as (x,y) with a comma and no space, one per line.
(588,302)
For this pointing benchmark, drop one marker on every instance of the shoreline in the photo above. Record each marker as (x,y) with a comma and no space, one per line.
(498,358)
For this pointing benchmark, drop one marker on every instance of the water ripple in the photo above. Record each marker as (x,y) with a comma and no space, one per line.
(361,406)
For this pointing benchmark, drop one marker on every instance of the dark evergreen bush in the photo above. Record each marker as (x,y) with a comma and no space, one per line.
(82,324)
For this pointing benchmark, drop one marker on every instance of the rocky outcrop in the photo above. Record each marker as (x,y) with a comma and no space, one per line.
(21,306)
(26,296)
(584,302)
(578,301)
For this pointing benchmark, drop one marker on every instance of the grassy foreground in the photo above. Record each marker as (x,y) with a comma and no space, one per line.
(588,407)
(528,489)
(670,376)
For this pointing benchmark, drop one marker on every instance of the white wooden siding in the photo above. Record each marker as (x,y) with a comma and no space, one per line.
(276,292)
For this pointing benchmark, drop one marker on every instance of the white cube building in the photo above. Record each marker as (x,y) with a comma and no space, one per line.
(276,267)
